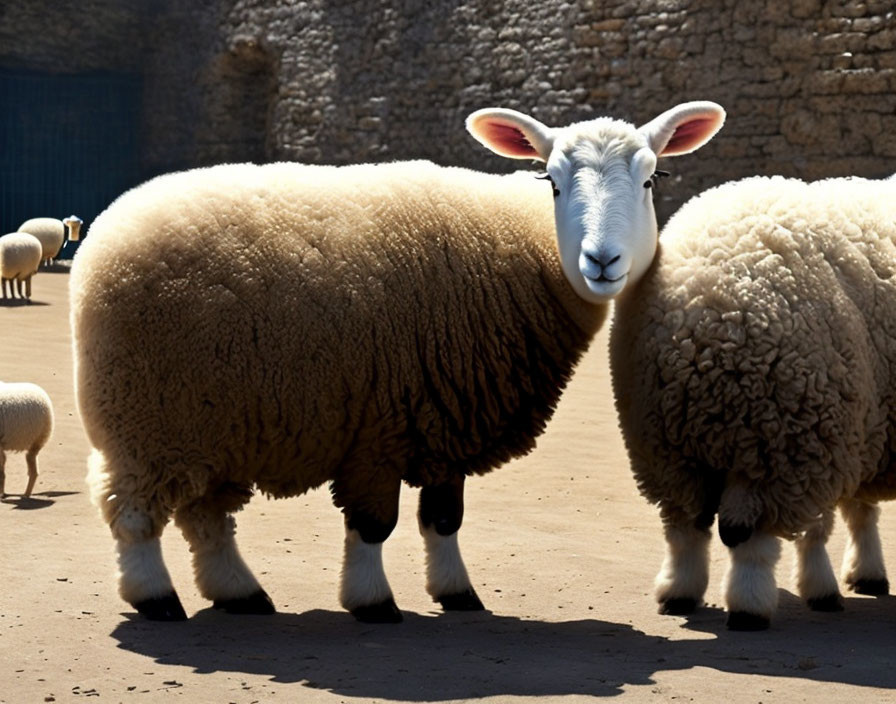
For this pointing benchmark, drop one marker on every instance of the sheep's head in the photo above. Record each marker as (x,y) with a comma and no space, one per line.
(601,173)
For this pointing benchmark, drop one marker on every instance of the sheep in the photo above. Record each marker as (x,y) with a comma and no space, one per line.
(26,423)
(50,232)
(20,255)
(752,374)
(277,327)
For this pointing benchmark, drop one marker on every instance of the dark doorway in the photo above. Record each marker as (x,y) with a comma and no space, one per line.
(68,145)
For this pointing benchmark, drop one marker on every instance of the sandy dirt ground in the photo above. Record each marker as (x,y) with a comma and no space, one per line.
(559,544)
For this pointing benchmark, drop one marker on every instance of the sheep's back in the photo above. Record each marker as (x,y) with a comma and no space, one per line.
(261,318)
(49,231)
(760,343)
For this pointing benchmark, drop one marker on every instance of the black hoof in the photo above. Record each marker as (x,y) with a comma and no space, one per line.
(678,606)
(744,621)
(162,608)
(384,612)
(871,587)
(734,535)
(257,603)
(829,602)
(462,601)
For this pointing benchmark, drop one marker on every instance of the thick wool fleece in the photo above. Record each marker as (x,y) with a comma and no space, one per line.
(761,345)
(49,231)
(26,417)
(286,325)
(20,256)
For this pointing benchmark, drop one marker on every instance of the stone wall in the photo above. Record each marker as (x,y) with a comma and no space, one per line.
(810,85)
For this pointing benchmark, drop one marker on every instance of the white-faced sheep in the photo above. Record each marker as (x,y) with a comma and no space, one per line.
(50,232)
(282,326)
(753,373)
(20,255)
(26,423)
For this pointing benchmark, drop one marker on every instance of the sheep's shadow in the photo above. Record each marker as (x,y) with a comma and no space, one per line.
(463,656)
(20,303)
(29,503)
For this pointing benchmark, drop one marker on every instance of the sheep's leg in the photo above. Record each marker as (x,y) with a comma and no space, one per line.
(682,580)
(814,575)
(370,516)
(2,474)
(144,581)
(220,572)
(749,586)
(863,562)
(440,516)
(31,461)
(5,283)
(28,288)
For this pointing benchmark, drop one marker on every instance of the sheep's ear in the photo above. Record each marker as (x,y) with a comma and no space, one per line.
(511,133)
(684,128)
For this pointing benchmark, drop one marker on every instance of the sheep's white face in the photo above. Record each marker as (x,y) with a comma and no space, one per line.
(601,173)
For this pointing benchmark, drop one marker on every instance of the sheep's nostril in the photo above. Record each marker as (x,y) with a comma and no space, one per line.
(613,260)
(591,258)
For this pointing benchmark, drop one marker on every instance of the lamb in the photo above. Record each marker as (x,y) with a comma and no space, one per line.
(50,232)
(752,369)
(26,423)
(277,327)
(20,255)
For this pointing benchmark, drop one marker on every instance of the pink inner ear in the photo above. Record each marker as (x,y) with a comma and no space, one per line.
(510,139)
(688,135)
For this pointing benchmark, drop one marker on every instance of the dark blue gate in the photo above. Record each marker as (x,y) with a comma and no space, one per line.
(68,145)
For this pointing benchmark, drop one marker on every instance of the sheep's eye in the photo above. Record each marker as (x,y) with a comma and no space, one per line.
(547,177)
(655,178)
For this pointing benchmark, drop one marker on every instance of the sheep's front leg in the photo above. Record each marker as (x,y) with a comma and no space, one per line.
(863,562)
(814,575)
(218,568)
(31,461)
(440,517)
(371,513)
(143,579)
(750,591)
(682,580)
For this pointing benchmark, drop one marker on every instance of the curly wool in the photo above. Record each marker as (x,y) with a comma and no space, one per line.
(760,344)
(286,325)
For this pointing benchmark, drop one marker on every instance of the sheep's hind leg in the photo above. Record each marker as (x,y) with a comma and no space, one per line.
(440,516)
(682,580)
(219,570)
(750,591)
(370,516)
(31,461)
(144,581)
(815,578)
(863,562)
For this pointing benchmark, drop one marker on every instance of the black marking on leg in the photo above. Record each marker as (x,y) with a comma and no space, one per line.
(442,506)
(745,621)
(370,529)
(829,603)
(678,606)
(871,587)
(162,608)
(466,600)
(734,535)
(384,612)
(257,603)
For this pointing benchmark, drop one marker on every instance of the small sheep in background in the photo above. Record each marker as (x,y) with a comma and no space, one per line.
(73,223)
(754,370)
(26,423)
(50,232)
(277,327)
(20,255)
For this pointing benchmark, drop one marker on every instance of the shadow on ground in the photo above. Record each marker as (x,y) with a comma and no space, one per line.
(29,503)
(468,656)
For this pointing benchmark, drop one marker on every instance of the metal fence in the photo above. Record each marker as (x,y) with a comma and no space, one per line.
(68,145)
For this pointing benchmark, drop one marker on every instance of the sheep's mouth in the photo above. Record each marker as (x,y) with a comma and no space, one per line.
(606,279)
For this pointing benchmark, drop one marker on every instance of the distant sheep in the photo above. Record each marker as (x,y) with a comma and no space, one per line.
(20,255)
(281,326)
(753,369)
(50,232)
(26,423)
